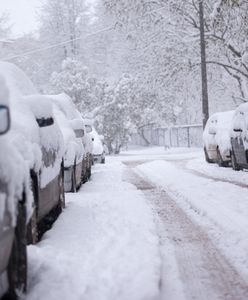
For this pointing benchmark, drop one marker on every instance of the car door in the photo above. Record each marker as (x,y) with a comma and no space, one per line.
(238,140)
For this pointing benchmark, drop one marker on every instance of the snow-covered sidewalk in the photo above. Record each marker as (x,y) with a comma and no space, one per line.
(103,246)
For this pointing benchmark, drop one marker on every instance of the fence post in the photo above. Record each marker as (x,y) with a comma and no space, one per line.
(170,136)
(188,137)
(177,137)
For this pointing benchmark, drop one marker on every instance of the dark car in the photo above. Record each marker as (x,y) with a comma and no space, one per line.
(239,138)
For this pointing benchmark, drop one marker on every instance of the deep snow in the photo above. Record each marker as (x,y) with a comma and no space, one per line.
(109,243)
(103,246)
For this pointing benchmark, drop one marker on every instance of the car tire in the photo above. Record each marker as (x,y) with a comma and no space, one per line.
(32,227)
(17,267)
(89,173)
(220,161)
(103,160)
(210,161)
(234,163)
(73,180)
(61,189)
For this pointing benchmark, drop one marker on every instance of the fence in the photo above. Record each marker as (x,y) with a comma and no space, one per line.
(175,136)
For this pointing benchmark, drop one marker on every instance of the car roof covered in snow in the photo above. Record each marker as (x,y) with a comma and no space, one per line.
(16,79)
(66,104)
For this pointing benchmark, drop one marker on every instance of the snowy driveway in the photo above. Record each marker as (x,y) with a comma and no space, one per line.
(150,225)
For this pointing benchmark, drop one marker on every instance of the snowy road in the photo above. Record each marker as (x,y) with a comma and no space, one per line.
(150,225)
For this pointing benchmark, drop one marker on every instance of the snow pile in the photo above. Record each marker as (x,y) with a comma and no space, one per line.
(227,174)
(103,247)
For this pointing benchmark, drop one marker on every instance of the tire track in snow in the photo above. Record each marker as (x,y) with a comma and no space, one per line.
(203,272)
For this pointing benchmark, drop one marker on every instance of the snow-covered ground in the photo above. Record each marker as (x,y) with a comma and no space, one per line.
(151,224)
(103,246)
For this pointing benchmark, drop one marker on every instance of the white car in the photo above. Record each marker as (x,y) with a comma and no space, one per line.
(78,144)
(33,149)
(216,138)
(98,148)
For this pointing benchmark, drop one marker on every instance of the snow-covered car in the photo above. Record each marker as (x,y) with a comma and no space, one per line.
(77,170)
(239,138)
(216,138)
(15,200)
(38,139)
(98,148)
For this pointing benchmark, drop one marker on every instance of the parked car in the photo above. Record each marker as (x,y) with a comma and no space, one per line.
(216,138)
(77,165)
(38,139)
(15,200)
(98,148)
(239,138)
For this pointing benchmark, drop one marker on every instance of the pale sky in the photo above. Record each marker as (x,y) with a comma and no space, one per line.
(23,14)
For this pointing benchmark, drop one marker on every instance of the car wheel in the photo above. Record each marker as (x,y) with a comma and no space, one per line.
(210,161)
(17,267)
(61,189)
(32,227)
(220,161)
(234,163)
(89,172)
(73,181)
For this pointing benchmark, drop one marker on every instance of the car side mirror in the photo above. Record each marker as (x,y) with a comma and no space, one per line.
(212,130)
(4,119)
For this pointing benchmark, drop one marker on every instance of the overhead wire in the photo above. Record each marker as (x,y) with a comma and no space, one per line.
(112,27)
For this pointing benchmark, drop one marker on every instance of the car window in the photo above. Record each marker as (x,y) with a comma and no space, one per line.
(79,133)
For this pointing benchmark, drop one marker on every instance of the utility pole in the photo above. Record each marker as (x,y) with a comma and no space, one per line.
(205,110)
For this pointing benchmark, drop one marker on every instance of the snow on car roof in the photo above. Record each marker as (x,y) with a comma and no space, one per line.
(242,107)
(16,79)
(66,105)
(223,118)
(40,105)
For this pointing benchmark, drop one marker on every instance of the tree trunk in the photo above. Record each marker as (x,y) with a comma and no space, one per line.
(205,109)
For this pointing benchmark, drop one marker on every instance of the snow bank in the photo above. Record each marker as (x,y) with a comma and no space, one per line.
(103,247)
